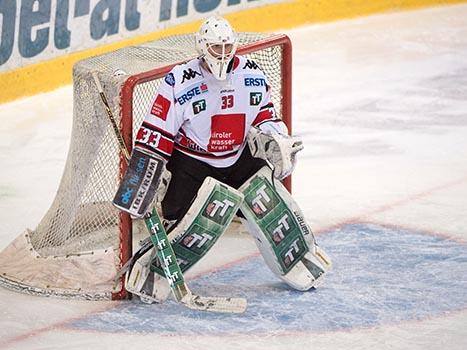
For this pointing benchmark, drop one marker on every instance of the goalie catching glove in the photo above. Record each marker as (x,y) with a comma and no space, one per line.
(278,149)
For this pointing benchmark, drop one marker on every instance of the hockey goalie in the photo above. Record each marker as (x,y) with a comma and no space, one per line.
(211,147)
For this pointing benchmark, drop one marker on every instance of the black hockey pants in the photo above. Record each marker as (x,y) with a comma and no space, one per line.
(188,175)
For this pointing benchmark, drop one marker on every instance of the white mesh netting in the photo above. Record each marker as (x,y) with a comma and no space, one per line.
(76,248)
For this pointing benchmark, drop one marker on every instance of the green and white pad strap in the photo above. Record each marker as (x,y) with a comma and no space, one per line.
(175,277)
(282,235)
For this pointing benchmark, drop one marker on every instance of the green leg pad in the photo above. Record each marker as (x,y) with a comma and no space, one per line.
(208,217)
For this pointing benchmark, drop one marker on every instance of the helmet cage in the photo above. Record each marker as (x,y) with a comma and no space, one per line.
(216,43)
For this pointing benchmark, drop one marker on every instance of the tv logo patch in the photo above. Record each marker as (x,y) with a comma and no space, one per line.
(261,200)
(255,98)
(219,209)
(199,106)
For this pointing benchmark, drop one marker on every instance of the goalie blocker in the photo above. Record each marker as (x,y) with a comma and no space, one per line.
(140,183)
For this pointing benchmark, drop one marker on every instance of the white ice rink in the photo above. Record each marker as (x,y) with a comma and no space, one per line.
(381,104)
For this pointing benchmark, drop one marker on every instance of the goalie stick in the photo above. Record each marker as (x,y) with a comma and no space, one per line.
(164,250)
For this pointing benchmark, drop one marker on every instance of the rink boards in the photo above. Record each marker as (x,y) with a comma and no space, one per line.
(41,42)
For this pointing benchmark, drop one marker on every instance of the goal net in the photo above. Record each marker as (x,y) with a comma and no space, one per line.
(82,242)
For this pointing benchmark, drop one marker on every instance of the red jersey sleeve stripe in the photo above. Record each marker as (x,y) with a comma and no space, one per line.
(263,116)
(146,147)
(163,145)
(269,105)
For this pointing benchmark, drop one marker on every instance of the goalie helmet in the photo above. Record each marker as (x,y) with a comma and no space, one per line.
(216,42)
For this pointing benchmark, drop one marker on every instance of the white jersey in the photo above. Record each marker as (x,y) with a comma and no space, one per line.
(205,118)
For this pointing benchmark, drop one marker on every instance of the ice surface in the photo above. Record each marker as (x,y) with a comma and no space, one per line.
(381,104)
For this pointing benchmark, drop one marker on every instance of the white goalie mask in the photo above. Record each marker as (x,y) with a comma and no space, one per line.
(216,43)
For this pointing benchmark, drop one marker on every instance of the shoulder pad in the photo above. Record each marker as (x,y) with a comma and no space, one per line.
(186,73)
(248,64)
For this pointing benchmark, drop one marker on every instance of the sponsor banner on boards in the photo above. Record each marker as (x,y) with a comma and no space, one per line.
(38,30)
